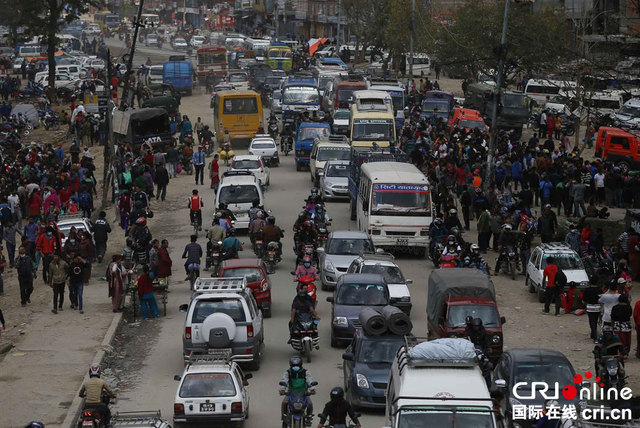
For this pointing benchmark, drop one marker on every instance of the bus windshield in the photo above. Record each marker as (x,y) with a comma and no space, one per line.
(445,417)
(279,53)
(210,58)
(300,95)
(240,105)
(400,199)
(372,130)
(435,106)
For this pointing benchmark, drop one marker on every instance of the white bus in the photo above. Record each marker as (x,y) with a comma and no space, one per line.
(150,18)
(394,205)
(539,89)
(258,46)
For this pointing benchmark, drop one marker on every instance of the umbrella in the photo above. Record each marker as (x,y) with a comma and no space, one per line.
(314,44)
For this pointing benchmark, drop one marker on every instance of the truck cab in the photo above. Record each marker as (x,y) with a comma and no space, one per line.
(619,147)
(306,134)
(437,105)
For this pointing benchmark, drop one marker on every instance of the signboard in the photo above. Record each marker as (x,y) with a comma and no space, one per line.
(103,101)
(372,121)
(420,188)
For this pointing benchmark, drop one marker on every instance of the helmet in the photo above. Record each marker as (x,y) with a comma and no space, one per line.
(306,259)
(507,227)
(438,222)
(302,215)
(142,221)
(336,393)
(260,214)
(455,231)
(453,211)
(218,214)
(468,320)
(302,294)
(475,248)
(314,190)
(94,370)
(319,207)
(295,361)
(271,220)
(34,424)
(451,239)
(477,322)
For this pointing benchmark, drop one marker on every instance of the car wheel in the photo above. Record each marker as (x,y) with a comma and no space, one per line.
(540,295)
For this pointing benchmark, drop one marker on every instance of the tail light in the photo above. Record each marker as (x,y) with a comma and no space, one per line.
(249,331)
(178,409)
(236,407)
(187,332)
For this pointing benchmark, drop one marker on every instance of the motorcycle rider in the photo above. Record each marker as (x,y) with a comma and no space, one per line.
(452,220)
(337,409)
(305,236)
(302,217)
(314,199)
(225,212)
(321,216)
(609,345)
(298,379)
(232,244)
(306,269)
(507,239)
(93,389)
(475,259)
(255,226)
(141,235)
(452,248)
(272,233)
(477,334)
(437,232)
(207,136)
(195,208)
(192,252)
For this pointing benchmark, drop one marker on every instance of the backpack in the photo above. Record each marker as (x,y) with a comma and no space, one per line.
(561,279)
(85,200)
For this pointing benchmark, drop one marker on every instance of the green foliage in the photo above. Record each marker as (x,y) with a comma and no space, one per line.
(366,20)
(535,39)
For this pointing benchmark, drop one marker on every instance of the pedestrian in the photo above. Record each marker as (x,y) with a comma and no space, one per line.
(609,299)
(215,172)
(154,258)
(598,180)
(578,190)
(197,127)
(590,297)
(547,224)
(636,321)
(115,278)
(165,262)
(147,296)
(551,291)
(76,284)
(198,163)
(101,231)
(87,252)
(172,161)
(621,319)
(633,246)
(162,180)
(46,246)
(124,208)
(58,274)
(3,264)
(484,230)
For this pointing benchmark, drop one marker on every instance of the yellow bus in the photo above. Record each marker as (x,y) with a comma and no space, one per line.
(372,124)
(239,112)
(279,57)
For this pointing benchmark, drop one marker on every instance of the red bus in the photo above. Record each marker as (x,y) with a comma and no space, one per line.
(212,58)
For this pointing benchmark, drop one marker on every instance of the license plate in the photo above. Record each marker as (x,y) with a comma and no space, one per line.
(216,254)
(207,407)
(403,242)
(218,351)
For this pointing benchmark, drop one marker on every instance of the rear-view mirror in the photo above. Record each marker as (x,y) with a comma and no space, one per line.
(503,320)
(500,383)
(347,356)
(282,383)
(409,281)
(314,383)
(183,308)
(177,378)
(320,250)
(330,299)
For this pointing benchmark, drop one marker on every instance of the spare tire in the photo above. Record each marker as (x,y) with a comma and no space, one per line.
(222,325)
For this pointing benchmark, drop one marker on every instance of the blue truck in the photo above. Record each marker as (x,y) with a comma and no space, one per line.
(179,74)
(306,133)
(362,155)
(437,105)
(299,95)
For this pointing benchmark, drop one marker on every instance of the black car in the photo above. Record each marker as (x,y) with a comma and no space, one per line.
(524,366)
(354,292)
(366,366)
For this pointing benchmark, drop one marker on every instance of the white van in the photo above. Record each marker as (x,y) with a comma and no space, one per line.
(238,190)
(602,102)
(369,100)
(394,205)
(421,63)
(539,89)
(30,51)
(70,69)
(437,384)
(333,147)
(154,75)
(629,114)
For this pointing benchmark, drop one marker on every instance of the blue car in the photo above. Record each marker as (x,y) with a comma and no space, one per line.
(306,133)
(366,365)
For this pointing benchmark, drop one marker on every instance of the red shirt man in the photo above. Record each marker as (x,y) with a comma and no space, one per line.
(549,274)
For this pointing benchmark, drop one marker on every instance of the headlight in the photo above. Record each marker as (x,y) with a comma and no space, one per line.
(405,299)
(328,266)
(584,283)
(362,381)
(512,254)
(496,339)
(297,405)
(340,321)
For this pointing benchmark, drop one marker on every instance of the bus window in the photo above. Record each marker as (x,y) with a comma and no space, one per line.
(240,105)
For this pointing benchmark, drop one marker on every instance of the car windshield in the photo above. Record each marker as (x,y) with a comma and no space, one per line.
(487,314)
(251,274)
(349,247)
(400,199)
(301,95)
(390,273)
(430,106)
(469,417)
(334,153)
(207,385)
(564,261)
(242,194)
(246,164)
(342,115)
(263,145)
(180,41)
(378,351)
(337,171)
(548,373)
(372,129)
(65,228)
(231,307)
(237,78)
(472,124)
(362,295)
(310,133)
(629,110)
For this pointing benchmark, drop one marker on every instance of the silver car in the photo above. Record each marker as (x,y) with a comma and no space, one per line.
(342,248)
(276,102)
(334,180)
(341,119)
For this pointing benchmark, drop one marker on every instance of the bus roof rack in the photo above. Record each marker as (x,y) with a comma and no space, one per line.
(220,285)
(213,356)
(143,418)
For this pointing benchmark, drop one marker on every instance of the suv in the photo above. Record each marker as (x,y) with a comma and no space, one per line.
(254,164)
(383,264)
(211,391)
(238,190)
(223,314)
(77,221)
(565,258)
(341,248)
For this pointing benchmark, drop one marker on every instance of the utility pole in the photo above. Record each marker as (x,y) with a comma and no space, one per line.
(277,21)
(107,137)
(502,58)
(136,25)
(411,33)
(339,30)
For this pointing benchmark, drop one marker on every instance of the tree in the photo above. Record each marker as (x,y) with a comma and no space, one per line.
(397,29)
(470,44)
(45,18)
(366,20)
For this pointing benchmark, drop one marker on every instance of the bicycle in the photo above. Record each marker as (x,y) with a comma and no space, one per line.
(194,273)
(196,222)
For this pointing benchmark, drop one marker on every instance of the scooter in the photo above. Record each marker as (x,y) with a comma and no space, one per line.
(271,257)
(308,280)
(304,335)
(215,257)
(448,261)
(613,377)
(296,416)
(511,261)
(273,129)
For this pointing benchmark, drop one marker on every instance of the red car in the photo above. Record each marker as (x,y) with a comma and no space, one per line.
(254,270)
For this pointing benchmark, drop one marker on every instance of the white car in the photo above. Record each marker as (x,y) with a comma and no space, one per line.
(265,146)
(92,30)
(62,81)
(211,391)
(179,44)
(66,222)
(196,41)
(151,40)
(564,257)
(239,79)
(254,164)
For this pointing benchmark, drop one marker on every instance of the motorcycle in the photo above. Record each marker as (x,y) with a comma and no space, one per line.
(215,257)
(92,417)
(258,247)
(273,129)
(323,232)
(481,266)
(304,335)
(226,153)
(51,120)
(308,250)
(296,416)
(601,269)
(307,280)
(435,251)
(351,425)
(186,164)
(510,261)
(271,257)
(449,261)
